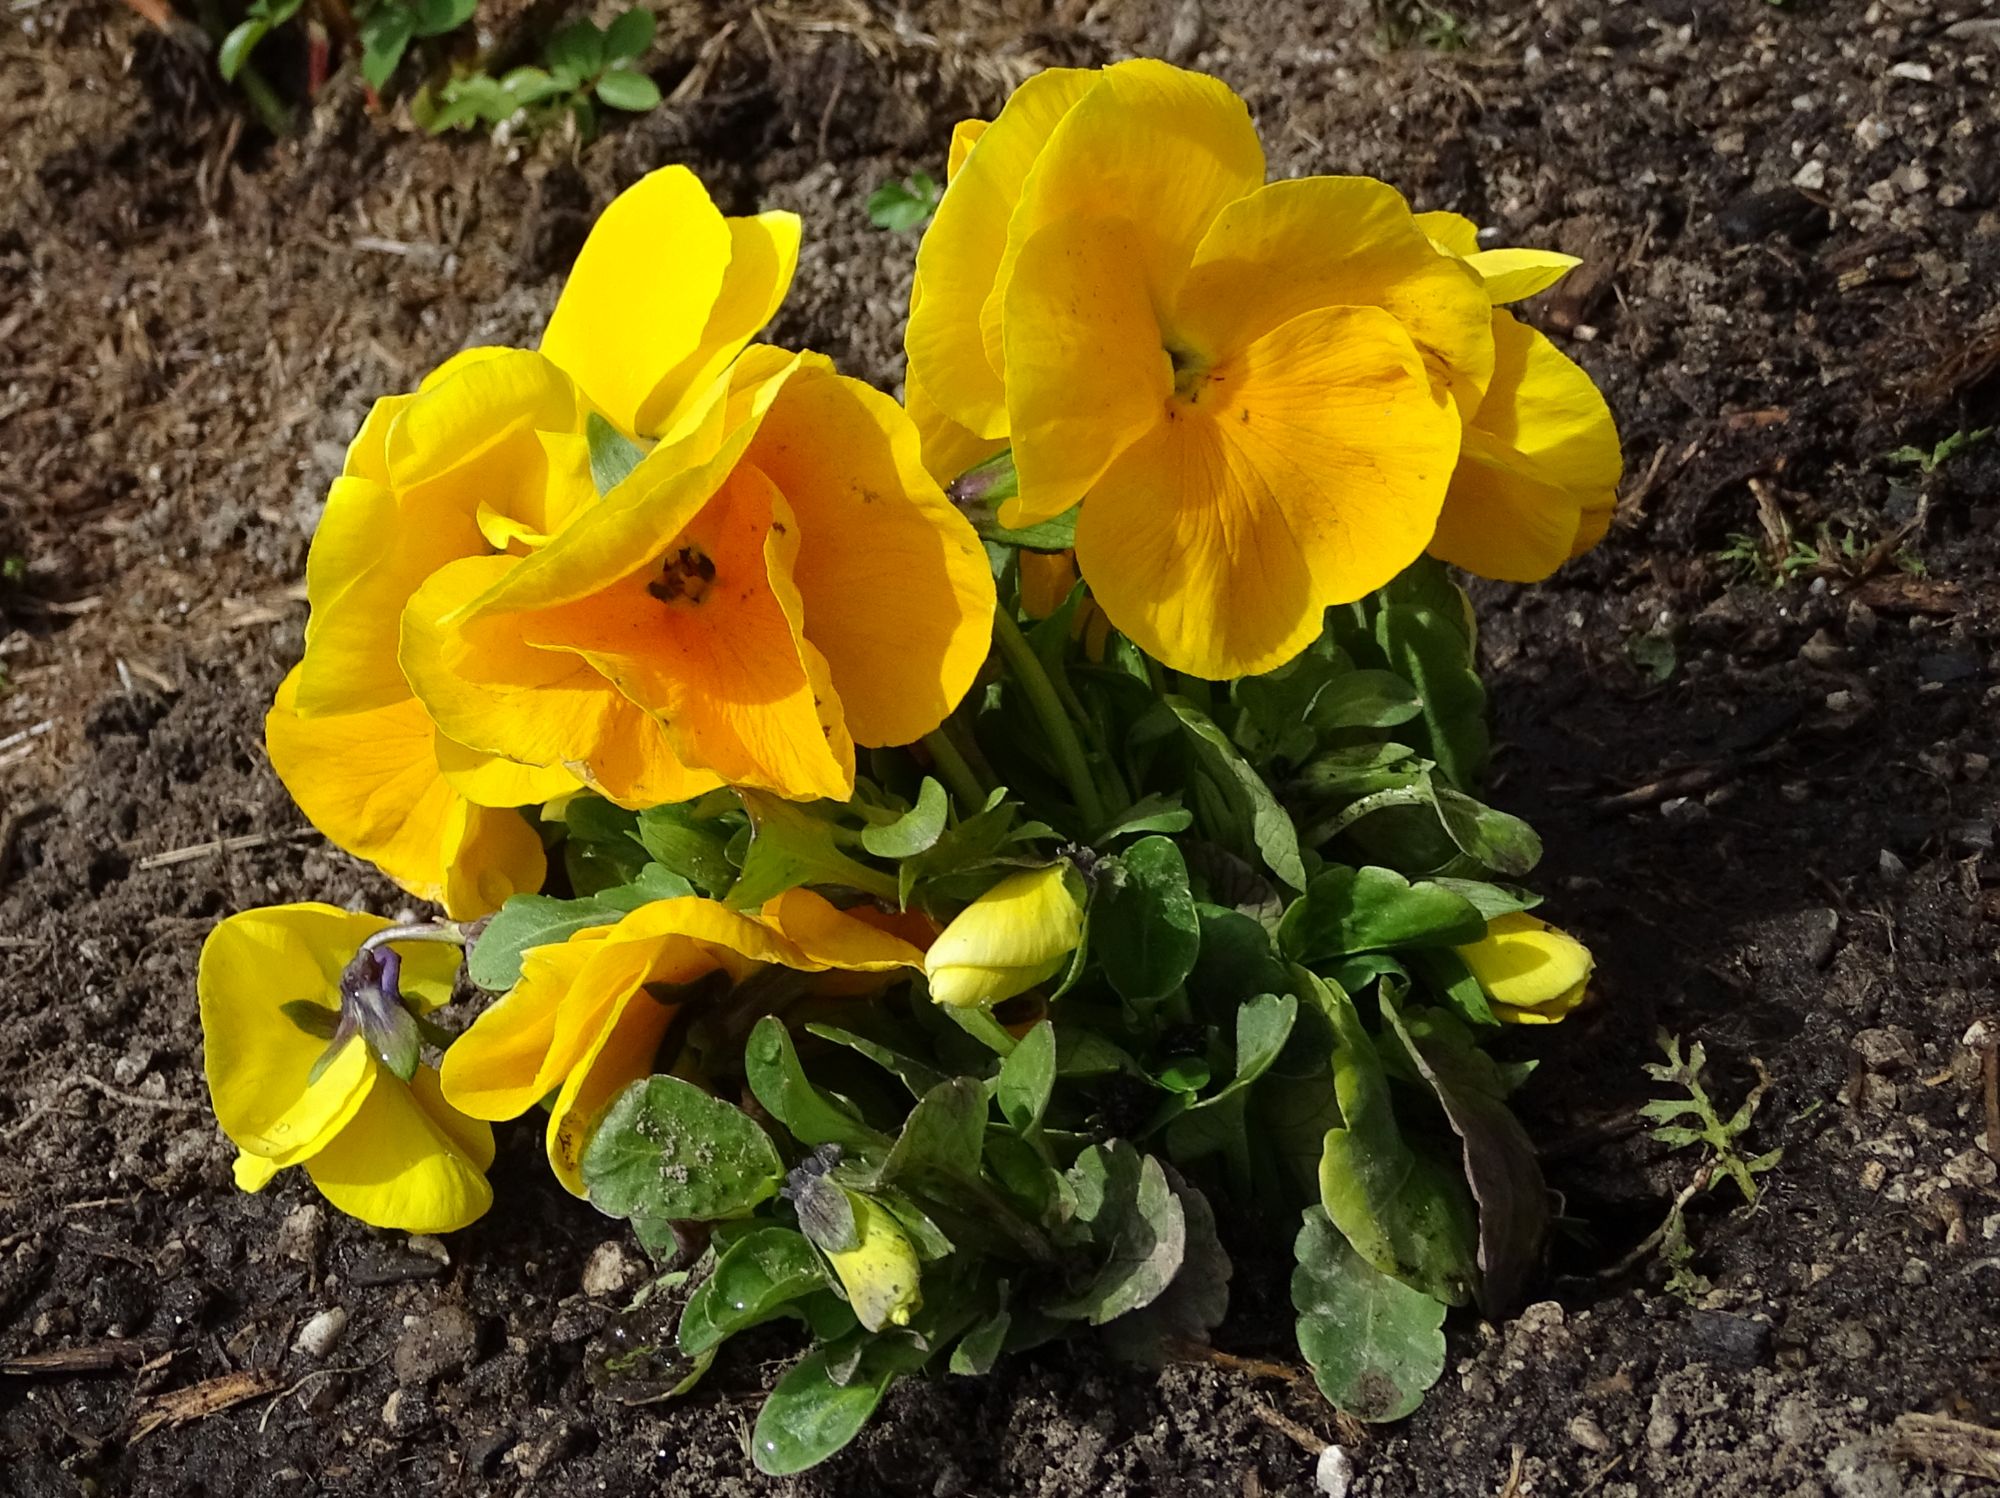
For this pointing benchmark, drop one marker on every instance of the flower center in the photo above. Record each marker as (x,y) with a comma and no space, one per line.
(1191,372)
(684,575)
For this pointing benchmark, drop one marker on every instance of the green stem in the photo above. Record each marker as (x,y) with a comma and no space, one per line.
(1027,668)
(956,773)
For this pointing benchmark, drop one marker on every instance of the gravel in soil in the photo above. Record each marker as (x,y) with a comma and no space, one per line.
(1765,780)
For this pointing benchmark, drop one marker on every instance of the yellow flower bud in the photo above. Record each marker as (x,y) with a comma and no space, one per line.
(1019,933)
(1533,973)
(880,1273)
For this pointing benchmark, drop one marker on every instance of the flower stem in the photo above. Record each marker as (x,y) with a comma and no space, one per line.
(1027,668)
(957,774)
(458,933)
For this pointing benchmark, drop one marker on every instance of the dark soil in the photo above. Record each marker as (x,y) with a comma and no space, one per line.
(1768,797)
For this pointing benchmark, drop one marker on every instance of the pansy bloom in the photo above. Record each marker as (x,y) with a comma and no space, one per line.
(1255,390)
(491,457)
(1537,476)
(589,1015)
(764,591)
(288,1016)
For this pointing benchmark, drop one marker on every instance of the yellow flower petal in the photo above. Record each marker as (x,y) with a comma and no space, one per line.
(881,1273)
(1019,933)
(949,449)
(959,257)
(1334,241)
(1452,233)
(488,780)
(408,1161)
(621,1054)
(371,782)
(964,136)
(1516,273)
(253,1172)
(1047,580)
(1539,472)
(1153,146)
(1533,973)
(1087,367)
(895,587)
(711,642)
(764,254)
(256,1057)
(638,300)
(490,690)
(828,937)
(1304,472)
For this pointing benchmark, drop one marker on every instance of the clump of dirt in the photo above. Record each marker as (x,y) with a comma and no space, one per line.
(1755,729)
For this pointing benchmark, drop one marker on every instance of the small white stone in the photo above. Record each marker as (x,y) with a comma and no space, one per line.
(609,1270)
(1916,72)
(1334,1476)
(1811,177)
(430,1248)
(319,1335)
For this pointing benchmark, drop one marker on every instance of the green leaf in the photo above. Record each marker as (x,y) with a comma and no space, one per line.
(1369,909)
(757,1277)
(1125,1203)
(791,846)
(1143,926)
(1192,1305)
(576,50)
(1489,900)
(1250,799)
(628,89)
(1027,1077)
(902,206)
(1503,843)
(1499,1160)
(1446,974)
(436,17)
(1358,770)
(1262,1027)
(1430,650)
(919,1076)
(1402,1210)
(692,846)
(1236,962)
(239,44)
(1153,813)
(915,830)
(667,1149)
(771,1066)
(942,1138)
(385,35)
(809,1417)
(1057,534)
(1375,1345)
(628,36)
(613,455)
(980,1348)
(1366,699)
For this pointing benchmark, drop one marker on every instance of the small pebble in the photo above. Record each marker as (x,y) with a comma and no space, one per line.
(1588,1434)
(439,1342)
(1973,1167)
(300,1233)
(318,1336)
(610,1270)
(1334,1476)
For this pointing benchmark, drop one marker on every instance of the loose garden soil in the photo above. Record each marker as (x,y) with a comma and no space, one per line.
(1766,785)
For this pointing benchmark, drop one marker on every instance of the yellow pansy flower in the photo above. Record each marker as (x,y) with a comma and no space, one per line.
(1532,973)
(589,1014)
(1019,933)
(1537,477)
(394,1154)
(779,583)
(1254,388)
(491,456)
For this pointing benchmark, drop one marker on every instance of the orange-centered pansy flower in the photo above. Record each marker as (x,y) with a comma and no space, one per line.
(491,457)
(589,1015)
(777,583)
(1255,389)
(1537,477)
